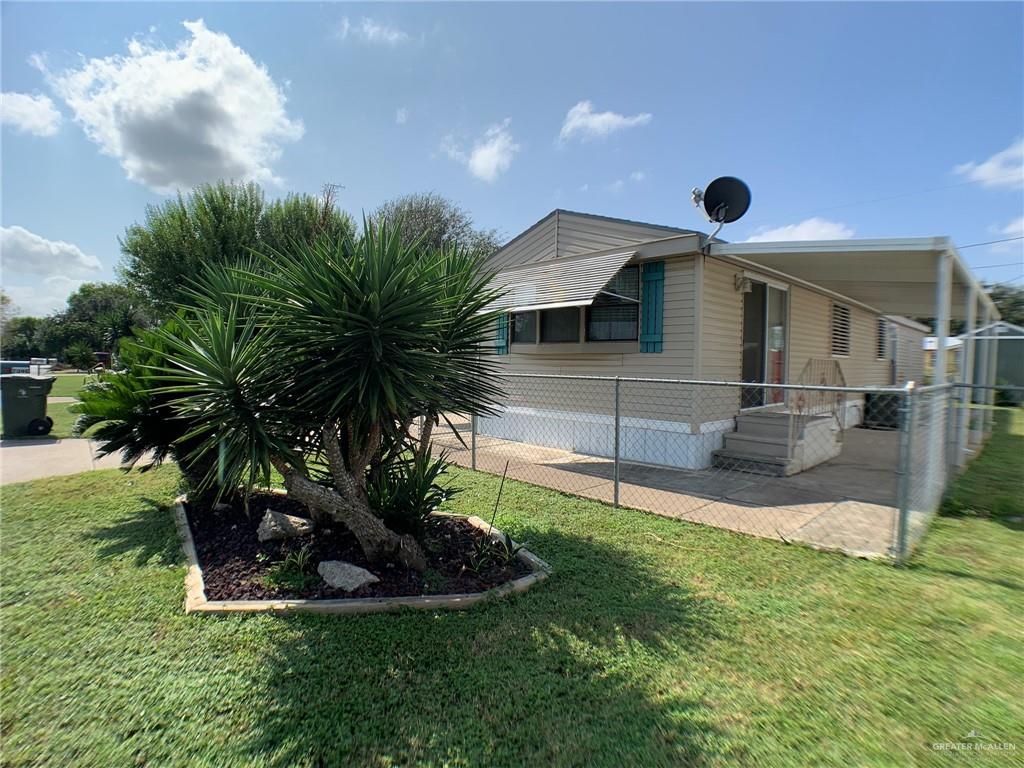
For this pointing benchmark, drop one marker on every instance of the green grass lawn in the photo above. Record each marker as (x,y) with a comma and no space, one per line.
(68,384)
(655,643)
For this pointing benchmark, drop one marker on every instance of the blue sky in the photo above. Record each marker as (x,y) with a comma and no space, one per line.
(513,110)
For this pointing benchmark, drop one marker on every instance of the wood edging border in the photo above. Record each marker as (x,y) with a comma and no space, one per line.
(196,601)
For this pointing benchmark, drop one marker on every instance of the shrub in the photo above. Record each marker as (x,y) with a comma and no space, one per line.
(407,491)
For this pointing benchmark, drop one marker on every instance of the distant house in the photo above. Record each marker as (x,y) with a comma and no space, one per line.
(600,296)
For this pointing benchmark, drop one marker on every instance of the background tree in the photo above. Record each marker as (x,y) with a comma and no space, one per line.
(18,338)
(218,224)
(1009,299)
(439,222)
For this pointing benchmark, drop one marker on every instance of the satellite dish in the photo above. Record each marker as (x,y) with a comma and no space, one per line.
(725,200)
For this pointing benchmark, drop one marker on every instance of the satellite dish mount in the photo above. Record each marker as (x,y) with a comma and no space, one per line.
(724,201)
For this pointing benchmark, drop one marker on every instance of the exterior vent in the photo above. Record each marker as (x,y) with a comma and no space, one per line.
(840,330)
(882,339)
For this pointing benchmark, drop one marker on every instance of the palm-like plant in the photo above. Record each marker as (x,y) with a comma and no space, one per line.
(323,355)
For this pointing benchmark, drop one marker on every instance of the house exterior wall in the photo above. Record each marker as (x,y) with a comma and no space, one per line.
(908,356)
(809,337)
(675,361)
(657,419)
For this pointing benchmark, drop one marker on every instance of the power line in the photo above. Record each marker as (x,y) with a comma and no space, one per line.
(991,242)
(993,266)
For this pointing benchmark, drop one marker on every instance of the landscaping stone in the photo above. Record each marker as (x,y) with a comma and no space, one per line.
(342,575)
(277,525)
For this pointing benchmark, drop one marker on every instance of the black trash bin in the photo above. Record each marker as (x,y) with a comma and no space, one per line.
(23,402)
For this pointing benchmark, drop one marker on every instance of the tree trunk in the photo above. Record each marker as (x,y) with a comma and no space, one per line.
(377,540)
(428,428)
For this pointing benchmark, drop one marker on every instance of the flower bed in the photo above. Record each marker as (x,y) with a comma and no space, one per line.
(230,569)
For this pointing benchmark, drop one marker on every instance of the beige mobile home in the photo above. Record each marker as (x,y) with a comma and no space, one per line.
(598,296)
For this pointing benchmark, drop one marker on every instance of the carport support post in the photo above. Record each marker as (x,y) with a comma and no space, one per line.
(966,377)
(906,457)
(615,466)
(472,442)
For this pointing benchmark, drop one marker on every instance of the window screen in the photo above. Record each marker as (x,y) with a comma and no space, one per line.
(524,328)
(615,313)
(840,330)
(557,325)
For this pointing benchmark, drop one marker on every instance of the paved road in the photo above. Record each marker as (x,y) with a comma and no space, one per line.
(22,460)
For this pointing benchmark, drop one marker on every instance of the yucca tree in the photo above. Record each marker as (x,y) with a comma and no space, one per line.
(322,356)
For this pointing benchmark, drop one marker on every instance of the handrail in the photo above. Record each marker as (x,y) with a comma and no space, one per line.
(829,400)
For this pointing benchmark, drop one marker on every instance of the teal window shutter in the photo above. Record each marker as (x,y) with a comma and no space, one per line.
(652,307)
(501,340)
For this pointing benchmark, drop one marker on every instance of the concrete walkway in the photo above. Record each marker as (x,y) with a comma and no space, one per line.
(22,460)
(847,504)
(60,399)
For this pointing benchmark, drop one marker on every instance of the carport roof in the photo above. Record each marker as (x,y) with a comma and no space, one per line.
(894,276)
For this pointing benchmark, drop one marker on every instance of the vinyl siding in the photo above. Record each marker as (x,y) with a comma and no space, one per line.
(563,233)
(651,401)
(809,338)
(909,354)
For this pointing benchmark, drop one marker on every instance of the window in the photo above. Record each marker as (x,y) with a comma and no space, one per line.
(615,313)
(882,338)
(840,330)
(560,325)
(524,328)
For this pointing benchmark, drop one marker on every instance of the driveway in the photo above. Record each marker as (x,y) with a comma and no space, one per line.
(22,460)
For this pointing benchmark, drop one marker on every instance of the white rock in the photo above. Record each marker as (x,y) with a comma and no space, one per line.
(277,525)
(342,575)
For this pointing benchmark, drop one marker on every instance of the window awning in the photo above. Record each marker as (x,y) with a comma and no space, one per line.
(571,282)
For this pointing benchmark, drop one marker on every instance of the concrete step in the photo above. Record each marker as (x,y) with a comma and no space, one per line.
(764,425)
(757,446)
(741,462)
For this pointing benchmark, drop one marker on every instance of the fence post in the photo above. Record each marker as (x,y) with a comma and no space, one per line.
(907,407)
(472,441)
(615,466)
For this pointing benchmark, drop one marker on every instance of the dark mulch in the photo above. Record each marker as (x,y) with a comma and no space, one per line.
(237,566)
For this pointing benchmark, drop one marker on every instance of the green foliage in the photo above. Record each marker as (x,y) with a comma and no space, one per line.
(218,225)
(1009,299)
(407,491)
(294,573)
(364,332)
(127,413)
(18,338)
(436,223)
(80,355)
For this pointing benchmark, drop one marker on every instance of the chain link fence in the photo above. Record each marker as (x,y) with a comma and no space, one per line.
(859,470)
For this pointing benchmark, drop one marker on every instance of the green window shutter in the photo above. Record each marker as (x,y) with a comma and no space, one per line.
(652,307)
(501,340)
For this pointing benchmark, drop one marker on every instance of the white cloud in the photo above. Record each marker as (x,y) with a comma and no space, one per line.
(1003,169)
(39,273)
(491,155)
(582,121)
(809,229)
(44,296)
(616,186)
(401,116)
(584,187)
(29,114)
(1014,229)
(27,253)
(637,176)
(370,31)
(202,111)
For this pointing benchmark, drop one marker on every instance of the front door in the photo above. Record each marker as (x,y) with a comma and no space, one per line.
(764,343)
